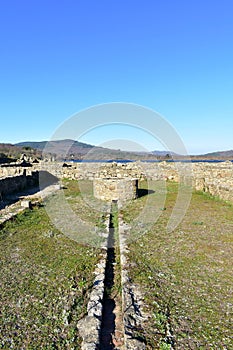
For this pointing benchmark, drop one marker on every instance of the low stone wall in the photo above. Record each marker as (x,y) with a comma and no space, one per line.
(28,179)
(134,170)
(18,183)
(13,169)
(214,178)
(110,189)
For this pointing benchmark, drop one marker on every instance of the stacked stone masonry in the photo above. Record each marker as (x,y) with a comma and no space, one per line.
(214,178)
(119,189)
(17,183)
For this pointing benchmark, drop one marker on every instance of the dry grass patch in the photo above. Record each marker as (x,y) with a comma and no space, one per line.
(186,275)
(45,278)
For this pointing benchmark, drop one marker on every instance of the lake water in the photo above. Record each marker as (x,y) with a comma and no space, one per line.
(146,161)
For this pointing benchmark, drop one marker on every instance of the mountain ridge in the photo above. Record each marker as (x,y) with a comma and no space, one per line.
(71,149)
(84,146)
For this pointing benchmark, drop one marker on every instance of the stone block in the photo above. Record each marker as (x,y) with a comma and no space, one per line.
(26,204)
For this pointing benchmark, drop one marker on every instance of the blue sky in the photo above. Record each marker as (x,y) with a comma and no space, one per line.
(60,57)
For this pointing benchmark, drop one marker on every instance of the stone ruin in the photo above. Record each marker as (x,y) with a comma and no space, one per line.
(213,178)
(113,185)
(120,189)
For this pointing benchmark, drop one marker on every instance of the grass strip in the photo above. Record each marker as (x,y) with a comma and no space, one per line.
(186,275)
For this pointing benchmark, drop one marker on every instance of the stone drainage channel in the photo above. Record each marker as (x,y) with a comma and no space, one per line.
(113,312)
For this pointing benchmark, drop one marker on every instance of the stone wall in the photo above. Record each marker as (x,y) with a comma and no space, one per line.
(18,183)
(27,179)
(214,178)
(120,189)
(137,170)
(8,170)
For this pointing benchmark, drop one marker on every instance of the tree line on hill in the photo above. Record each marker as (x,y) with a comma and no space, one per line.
(73,150)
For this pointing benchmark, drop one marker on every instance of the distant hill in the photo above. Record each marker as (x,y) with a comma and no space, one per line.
(166,154)
(221,154)
(59,148)
(80,149)
(10,153)
(58,145)
(70,149)
(216,155)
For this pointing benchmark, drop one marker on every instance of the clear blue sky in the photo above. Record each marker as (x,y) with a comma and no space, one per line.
(59,57)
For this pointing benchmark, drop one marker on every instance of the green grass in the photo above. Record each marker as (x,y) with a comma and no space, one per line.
(186,275)
(45,279)
(77,213)
(79,194)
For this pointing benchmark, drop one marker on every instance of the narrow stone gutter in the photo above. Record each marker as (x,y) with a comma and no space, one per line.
(89,327)
(112,320)
(133,316)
